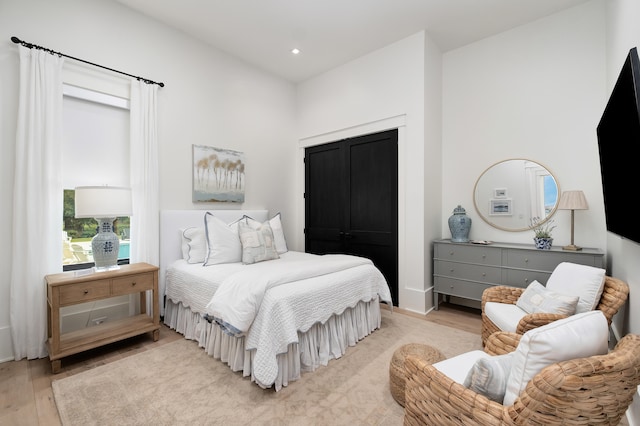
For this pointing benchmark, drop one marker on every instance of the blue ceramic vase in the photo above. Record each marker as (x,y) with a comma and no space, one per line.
(543,243)
(459,225)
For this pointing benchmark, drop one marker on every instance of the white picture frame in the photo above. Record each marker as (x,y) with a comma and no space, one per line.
(500,193)
(500,207)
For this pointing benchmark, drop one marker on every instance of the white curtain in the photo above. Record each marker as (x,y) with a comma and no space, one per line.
(37,199)
(145,221)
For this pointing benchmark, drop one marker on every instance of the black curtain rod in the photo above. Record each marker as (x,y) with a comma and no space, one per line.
(53,52)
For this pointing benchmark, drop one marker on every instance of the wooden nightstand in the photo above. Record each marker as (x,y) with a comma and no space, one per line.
(71,288)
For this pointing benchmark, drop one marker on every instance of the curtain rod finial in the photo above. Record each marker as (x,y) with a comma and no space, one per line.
(15,39)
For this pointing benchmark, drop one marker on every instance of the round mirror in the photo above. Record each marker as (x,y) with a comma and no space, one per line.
(511,193)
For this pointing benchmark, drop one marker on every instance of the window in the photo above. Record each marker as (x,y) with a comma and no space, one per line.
(96,152)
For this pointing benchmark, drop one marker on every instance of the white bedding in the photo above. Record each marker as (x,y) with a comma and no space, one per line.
(343,305)
(237,300)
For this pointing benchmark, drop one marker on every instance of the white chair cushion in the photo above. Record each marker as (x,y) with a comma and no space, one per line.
(457,368)
(536,298)
(504,315)
(578,336)
(587,282)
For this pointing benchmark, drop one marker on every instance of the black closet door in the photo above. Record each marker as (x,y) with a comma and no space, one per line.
(351,200)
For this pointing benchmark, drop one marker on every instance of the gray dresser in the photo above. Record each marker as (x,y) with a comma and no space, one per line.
(465,269)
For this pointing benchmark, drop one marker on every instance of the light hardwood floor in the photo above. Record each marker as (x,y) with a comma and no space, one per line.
(26,396)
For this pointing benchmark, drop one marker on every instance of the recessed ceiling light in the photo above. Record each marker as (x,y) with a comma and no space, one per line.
(295,51)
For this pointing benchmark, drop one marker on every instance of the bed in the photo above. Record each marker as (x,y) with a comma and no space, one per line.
(272,319)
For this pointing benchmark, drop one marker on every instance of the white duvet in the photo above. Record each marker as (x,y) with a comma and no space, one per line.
(237,300)
(270,302)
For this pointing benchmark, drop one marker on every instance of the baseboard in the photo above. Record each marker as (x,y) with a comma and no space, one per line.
(633,413)
(6,345)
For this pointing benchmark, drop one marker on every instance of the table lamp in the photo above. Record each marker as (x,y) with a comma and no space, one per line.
(572,200)
(104,204)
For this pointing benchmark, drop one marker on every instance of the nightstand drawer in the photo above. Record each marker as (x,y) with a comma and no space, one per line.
(133,284)
(487,274)
(83,292)
(469,254)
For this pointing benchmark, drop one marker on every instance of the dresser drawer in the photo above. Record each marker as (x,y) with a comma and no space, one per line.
(467,271)
(133,284)
(465,289)
(543,260)
(470,254)
(83,292)
(522,278)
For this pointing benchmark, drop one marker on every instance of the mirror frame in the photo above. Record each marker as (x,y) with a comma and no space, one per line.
(486,219)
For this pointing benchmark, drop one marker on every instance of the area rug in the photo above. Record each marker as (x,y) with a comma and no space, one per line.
(179,384)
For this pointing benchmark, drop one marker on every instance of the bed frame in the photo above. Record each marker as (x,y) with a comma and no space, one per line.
(311,350)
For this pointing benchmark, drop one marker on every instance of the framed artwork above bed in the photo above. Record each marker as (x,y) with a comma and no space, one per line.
(218,175)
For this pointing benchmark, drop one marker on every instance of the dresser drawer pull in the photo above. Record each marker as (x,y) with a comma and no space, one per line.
(86,292)
(451,270)
(133,283)
(450,253)
(526,261)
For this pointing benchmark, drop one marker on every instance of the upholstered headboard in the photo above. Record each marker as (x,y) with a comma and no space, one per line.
(172,221)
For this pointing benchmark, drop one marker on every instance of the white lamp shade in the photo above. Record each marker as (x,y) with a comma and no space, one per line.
(573,200)
(102,201)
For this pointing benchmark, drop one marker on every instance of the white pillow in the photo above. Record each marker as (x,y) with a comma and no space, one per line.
(194,244)
(223,242)
(587,282)
(278,233)
(578,336)
(258,244)
(489,376)
(537,298)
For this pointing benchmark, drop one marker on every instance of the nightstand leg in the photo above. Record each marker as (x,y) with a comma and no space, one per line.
(55,366)
(156,335)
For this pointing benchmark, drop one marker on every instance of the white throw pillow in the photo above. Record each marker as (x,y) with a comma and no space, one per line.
(537,298)
(578,336)
(276,227)
(258,244)
(587,282)
(223,242)
(194,244)
(489,376)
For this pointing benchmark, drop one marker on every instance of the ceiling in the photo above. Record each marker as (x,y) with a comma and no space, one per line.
(330,33)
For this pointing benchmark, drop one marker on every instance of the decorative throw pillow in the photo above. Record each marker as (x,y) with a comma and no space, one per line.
(258,244)
(194,245)
(578,336)
(489,376)
(223,243)
(278,233)
(537,298)
(587,282)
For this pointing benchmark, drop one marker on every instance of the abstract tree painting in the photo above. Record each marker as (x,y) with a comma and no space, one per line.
(218,175)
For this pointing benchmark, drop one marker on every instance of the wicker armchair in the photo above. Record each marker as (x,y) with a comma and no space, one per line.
(596,390)
(614,295)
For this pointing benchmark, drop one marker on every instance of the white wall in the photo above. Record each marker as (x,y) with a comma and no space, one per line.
(385,89)
(532,92)
(210,99)
(623,33)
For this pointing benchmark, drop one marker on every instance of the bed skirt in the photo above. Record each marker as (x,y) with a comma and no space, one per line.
(315,347)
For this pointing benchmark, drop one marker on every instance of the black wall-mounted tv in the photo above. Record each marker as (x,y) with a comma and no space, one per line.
(618,139)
